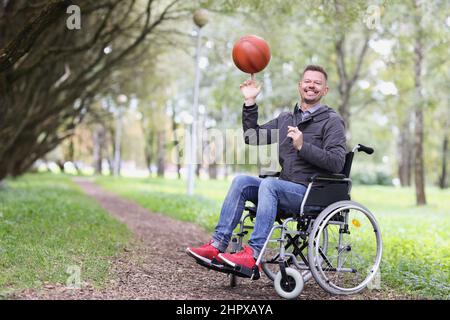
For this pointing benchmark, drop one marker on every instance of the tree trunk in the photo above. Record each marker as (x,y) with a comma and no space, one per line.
(197,170)
(179,171)
(96,154)
(405,154)
(72,155)
(176,144)
(225,171)
(210,148)
(418,112)
(212,171)
(149,152)
(98,137)
(418,159)
(148,161)
(161,153)
(443,183)
(60,164)
(110,165)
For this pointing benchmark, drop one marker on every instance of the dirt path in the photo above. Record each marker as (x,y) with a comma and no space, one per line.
(157,267)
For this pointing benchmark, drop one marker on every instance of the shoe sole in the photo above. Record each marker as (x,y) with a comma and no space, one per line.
(197,256)
(242,271)
(232,264)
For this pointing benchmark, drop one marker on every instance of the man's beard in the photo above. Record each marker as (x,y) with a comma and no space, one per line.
(311,101)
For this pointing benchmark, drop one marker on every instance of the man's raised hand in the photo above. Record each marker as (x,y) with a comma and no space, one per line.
(250,90)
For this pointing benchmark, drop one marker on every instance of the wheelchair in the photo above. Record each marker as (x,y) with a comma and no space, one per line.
(334,240)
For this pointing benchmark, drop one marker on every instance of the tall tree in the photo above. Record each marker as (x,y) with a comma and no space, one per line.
(42,79)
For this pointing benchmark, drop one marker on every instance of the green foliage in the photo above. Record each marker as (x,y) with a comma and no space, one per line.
(378,177)
(47,225)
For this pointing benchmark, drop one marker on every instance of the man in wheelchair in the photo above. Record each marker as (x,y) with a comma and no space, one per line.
(311,141)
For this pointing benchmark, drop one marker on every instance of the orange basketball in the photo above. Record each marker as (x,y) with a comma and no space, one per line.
(251,54)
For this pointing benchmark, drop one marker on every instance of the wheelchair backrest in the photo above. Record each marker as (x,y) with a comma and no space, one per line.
(324,194)
(348,164)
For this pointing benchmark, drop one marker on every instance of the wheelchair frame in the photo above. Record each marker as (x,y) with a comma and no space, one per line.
(288,281)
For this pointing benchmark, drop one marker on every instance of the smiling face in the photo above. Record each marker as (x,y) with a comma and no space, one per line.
(312,87)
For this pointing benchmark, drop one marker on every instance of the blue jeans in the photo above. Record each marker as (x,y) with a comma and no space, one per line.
(269,194)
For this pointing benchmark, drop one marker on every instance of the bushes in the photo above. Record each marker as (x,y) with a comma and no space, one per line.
(371,175)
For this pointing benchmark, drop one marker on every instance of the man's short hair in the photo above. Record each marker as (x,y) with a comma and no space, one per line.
(314,67)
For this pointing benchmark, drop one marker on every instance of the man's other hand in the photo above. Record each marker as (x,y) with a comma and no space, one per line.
(296,136)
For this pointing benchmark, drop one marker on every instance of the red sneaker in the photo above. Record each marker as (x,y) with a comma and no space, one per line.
(240,259)
(205,253)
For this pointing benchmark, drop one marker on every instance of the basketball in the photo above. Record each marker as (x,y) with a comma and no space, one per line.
(251,54)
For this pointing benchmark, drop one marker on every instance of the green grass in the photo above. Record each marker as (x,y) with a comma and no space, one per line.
(47,227)
(416,241)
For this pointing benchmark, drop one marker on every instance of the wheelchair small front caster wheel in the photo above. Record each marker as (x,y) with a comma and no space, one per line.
(292,286)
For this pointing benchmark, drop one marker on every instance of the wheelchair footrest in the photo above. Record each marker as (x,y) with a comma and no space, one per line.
(237,271)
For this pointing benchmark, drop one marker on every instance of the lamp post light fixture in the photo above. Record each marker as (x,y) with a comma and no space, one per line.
(200,19)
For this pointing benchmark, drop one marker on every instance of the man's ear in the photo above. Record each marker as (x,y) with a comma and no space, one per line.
(325,91)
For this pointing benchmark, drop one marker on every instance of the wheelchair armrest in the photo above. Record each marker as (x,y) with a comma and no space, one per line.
(270,174)
(328,177)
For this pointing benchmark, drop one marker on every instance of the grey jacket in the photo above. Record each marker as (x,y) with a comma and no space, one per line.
(324,144)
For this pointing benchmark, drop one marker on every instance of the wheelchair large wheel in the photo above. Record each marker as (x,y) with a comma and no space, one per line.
(270,262)
(353,255)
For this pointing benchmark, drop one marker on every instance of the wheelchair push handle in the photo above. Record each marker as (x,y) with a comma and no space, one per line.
(365,149)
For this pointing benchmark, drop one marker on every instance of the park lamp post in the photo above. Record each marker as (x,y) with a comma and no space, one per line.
(122,99)
(200,19)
